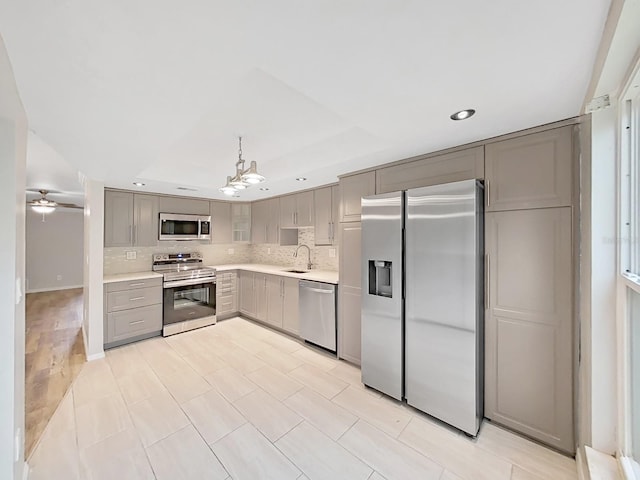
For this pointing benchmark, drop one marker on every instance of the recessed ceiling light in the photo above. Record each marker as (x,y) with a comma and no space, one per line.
(264,189)
(463,114)
(301,179)
(139,184)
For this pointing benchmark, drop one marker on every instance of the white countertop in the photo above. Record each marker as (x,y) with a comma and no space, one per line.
(326,276)
(130,277)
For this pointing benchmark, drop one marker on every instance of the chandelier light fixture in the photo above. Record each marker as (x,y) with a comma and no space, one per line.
(244,177)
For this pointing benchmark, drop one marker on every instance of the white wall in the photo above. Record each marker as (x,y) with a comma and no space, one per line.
(93,322)
(13,139)
(603,280)
(54,248)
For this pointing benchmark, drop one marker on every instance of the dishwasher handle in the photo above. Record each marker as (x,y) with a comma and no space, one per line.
(318,290)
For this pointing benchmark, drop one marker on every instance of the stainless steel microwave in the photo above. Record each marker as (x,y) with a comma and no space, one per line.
(175,226)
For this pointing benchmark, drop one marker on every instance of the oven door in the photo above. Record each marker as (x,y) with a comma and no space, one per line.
(188,300)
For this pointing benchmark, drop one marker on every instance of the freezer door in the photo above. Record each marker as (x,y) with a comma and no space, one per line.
(444,302)
(382,328)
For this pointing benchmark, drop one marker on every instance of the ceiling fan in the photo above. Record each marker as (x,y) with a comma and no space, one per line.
(44,205)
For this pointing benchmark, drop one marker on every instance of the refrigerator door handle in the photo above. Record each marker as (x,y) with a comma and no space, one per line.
(486,282)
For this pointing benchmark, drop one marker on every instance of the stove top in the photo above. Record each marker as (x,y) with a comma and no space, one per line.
(181,266)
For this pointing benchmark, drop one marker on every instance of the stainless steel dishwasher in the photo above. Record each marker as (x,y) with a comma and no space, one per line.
(318,313)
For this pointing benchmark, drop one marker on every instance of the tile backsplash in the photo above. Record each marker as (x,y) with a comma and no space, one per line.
(115,259)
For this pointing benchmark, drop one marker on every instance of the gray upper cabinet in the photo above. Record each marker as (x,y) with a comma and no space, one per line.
(350,292)
(183,205)
(145,220)
(438,169)
(532,171)
(296,210)
(118,219)
(265,220)
(130,219)
(324,215)
(529,321)
(220,222)
(259,221)
(352,189)
(241,222)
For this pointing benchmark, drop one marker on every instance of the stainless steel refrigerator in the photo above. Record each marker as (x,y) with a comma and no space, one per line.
(423,299)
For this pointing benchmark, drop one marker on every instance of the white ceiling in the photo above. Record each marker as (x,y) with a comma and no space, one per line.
(158,91)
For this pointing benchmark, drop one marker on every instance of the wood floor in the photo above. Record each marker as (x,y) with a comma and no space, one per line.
(54,355)
(236,401)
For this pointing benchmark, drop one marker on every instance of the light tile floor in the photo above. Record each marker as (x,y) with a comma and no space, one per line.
(236,400)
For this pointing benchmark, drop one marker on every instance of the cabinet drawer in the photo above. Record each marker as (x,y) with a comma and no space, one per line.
(226,304)
(147,282)
(134,322)
(137,297)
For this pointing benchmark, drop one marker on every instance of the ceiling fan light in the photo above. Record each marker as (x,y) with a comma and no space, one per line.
(43,208)
(251,175)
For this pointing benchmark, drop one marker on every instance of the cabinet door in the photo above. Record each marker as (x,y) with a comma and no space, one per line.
(528,325)
(335,213)
(290,312)
(349,292)
(532,171)
(288,211)
(145,220)
(220,222)
(274,300)
(247,294)
(304,209)
(352,189)
(240,222)
(323,216)
(185,206)
(259,222)
(118,219)
(134,322)
(273,220)
(450,167)
(261,296)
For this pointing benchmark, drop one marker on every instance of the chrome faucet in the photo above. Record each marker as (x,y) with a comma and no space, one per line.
(308,253)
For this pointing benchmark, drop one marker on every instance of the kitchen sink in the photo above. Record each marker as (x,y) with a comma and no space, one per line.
(297,271)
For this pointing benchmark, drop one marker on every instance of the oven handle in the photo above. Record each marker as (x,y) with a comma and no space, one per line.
(190,281)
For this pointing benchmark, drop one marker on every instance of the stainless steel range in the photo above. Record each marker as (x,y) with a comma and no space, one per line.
(189,292)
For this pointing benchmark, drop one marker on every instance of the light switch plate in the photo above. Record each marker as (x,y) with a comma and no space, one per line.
(332,253)
(268,250)
(231,251)
(131,255)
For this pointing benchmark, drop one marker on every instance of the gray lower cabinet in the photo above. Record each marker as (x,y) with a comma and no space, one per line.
(350,292)
(529,324)
(133,311)
(274,300)
(290,312)
(247,294)
(226,294)
(260,289)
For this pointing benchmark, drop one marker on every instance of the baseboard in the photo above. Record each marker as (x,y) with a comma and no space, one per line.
(25,471)
(600,466)
(54,289)
(94,356)
(581,464)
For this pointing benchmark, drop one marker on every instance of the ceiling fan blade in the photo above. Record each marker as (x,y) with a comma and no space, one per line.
(70,205)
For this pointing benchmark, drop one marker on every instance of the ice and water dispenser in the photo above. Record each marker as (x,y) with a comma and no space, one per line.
(380,278)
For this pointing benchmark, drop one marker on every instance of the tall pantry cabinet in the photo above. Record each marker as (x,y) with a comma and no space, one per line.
(529,351)
(351,189)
